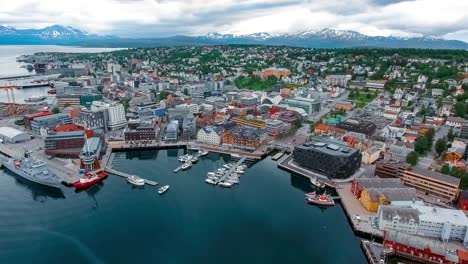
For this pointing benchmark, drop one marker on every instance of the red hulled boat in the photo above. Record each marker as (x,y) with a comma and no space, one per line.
(90,179)
(52,91)
(323,199)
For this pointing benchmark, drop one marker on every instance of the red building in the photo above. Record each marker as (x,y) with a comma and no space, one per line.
(28,118)
(422,249)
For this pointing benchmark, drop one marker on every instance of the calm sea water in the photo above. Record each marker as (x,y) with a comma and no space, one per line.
(10,67)
(263,220)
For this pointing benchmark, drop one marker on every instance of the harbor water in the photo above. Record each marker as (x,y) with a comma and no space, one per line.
(264,219)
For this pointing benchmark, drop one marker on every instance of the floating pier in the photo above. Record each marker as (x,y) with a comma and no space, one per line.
(231,170)
(197,156)
(278,155)
(125,175)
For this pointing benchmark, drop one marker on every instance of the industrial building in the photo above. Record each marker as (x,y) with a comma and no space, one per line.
(64,144)
(12,135)
(49,122)
(429,182)
(329,158)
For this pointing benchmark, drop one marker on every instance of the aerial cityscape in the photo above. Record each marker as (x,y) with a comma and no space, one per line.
(145,139)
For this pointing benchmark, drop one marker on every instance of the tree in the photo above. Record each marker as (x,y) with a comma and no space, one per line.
(185,91)
(421,145)
(450,135)
(460,109)
(445,169)
(56,110)
(163,95)
(412,158)
(440,146)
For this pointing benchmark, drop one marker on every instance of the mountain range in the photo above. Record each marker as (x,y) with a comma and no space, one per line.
(320,38)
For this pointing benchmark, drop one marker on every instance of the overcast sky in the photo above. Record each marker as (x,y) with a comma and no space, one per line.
(157,18)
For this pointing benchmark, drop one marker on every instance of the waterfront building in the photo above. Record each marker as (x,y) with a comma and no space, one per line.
(12,135)
(91,153)
(426,181)
(423,249)
(210,135)
(140,130)
(115,113)
(28,118)
(360,184)
(372,198)
(172,131)
(244,137)
(442,223)
(333,159)
(92,119)
(64,144)
(189,128)
(49,122)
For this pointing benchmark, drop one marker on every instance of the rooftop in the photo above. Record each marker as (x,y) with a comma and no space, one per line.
(436,175)
(10,132)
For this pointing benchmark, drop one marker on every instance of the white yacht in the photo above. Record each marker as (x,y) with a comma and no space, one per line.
(135,180)
(210,181)
(227,166)
(237,156)
(203,152)
(225,184)
(163,189)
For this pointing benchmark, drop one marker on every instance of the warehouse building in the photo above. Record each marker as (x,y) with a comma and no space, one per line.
(12,135)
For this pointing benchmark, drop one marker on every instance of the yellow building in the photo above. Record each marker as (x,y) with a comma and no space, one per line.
(372,198)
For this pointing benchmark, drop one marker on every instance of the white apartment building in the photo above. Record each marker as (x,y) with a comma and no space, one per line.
(115,112)
(210,135)
(194,108)
(442,223)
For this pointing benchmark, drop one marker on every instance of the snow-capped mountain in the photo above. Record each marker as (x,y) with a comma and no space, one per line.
(317,38)
(55,34)
(331,38)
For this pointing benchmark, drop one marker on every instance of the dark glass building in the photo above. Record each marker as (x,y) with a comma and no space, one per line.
(331,159)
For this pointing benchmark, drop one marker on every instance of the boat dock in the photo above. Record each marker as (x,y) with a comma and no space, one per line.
(278,155)
(125,175)
(197,156)
(231,170)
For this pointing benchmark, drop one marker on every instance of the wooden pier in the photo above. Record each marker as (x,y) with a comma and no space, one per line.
(231,170)
(125,175)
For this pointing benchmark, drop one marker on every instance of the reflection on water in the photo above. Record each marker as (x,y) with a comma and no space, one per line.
(39,192)
(141,154)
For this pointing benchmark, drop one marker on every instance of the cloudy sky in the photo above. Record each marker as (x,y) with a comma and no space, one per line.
(157,18)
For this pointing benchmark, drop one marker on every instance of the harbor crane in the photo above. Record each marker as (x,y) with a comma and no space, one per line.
(11,99)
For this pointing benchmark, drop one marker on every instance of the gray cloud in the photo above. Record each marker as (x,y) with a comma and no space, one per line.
(157,18)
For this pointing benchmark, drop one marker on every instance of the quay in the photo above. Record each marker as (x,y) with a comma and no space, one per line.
(123,146)
(360,219)
(197,156)
(231,170)
(374,252)
(125,175)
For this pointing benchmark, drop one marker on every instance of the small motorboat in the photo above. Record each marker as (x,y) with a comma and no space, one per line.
(203,153)
(195,160)
(225,184)
(227,166)
(317,183)
(163,189)
(135,180)
(237,156)
(211,181)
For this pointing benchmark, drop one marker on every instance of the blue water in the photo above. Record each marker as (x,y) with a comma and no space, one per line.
(263,220)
